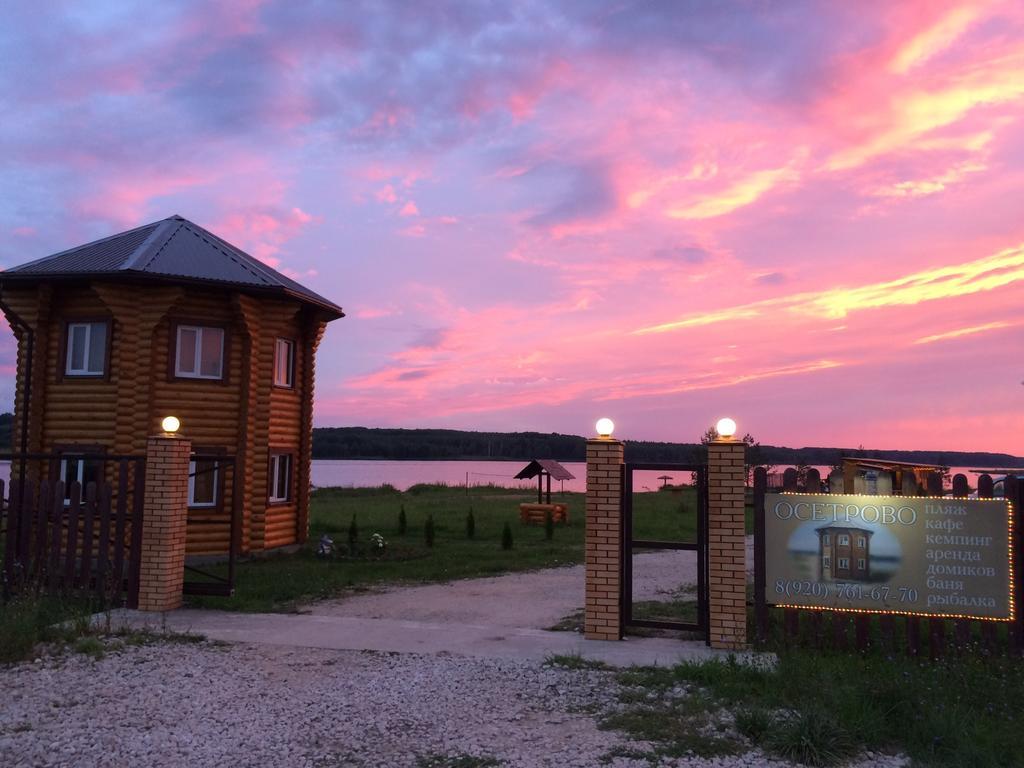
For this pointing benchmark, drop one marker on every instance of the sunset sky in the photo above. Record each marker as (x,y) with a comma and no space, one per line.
(806,215)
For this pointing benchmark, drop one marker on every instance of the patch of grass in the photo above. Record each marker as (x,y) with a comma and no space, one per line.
(810,737)
(89,645)
(821,708)
(25,622)
(571,623)
(456,761)
(573,661)
(676,727)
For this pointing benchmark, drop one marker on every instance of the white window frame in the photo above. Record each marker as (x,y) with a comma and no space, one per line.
(192,503)
(196,373)
(289,345)
(861,564)
(826,561)
(69,357)
(862,542)
(844,563)
(844,540)
(275,469)
(826,540)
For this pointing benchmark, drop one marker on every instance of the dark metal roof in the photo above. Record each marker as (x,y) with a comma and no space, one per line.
(539,466)
(174,248)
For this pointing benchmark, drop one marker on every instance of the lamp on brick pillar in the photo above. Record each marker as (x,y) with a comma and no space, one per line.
(602,615)
(727,549)
(164,516)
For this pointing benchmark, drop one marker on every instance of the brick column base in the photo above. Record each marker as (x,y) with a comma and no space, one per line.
(727,549)
(164,519)
(602,613)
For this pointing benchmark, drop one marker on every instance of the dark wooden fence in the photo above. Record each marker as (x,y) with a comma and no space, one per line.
(59,539)
(913,635)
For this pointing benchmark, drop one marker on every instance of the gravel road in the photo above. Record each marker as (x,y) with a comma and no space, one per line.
(198,705)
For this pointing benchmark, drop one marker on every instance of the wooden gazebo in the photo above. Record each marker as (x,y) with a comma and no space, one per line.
(541,469)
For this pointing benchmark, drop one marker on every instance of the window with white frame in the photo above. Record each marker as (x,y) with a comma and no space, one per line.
(862,542)
(86,353)
(203,476)
(826,561)
(284,363)
(199,352)
(844,540)
(861,564)
(280,477)
(844,562)
(826,540)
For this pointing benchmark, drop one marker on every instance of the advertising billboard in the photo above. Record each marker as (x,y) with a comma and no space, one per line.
(890,554)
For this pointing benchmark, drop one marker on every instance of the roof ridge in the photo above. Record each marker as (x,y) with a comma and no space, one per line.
(165,229)
(91,243)
(225,248)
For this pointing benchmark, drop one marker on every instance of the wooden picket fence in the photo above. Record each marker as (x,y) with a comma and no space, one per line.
(913,635)
(57,540)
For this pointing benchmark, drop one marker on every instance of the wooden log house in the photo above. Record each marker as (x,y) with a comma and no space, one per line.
(168,319)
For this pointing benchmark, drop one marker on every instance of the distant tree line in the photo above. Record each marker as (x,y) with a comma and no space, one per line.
(452,444)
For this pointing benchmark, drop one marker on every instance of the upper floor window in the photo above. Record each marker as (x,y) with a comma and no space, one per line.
(844,540)
(87,349)
(284,363)
(826,540)
(862,542)
(199,352)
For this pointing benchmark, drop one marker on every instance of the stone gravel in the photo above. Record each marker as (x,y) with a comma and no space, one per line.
(174,704)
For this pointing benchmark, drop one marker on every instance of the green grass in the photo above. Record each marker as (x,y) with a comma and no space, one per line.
(573,661)
(66,624)
(25,622)
(282,582)
(821,708)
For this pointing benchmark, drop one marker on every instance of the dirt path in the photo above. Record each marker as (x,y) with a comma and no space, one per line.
(536,599)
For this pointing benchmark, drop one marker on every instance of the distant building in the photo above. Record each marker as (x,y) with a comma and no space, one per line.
(844,553)
(169,320)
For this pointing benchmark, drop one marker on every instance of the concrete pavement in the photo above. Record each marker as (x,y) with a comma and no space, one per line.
(400,636)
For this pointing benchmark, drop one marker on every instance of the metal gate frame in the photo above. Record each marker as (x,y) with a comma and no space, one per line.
(699,546)
(212,583)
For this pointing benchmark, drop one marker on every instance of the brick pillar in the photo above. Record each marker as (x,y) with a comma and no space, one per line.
(727,549)
(602,617)
(163,523)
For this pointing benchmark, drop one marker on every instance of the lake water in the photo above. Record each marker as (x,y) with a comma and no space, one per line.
(402,474)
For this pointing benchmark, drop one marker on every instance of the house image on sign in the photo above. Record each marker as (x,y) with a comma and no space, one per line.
(170,320)
(844,553)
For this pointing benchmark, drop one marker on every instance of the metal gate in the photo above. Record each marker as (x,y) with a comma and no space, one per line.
(209,574)
(698,544)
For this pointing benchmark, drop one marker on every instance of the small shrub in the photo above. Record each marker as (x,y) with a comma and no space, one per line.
(402,522)
(755,723)
(812,738)
(506,537)
(549,525)
(470,525)
(428,531)
(353,533)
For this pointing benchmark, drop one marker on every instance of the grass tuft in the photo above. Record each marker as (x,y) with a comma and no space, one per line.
(573,661)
